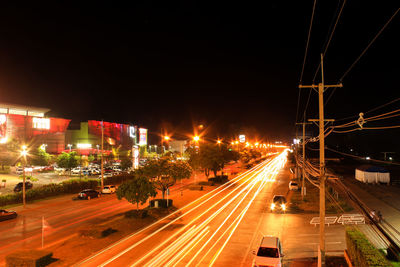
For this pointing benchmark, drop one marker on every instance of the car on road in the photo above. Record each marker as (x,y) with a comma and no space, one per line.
(278,203)
(7,215)
(109,189)
(18,187)
(269,253)
(293,185)
(88,194)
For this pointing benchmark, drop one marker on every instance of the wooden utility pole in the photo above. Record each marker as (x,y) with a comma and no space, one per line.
(102,154)
(321,88)
(303,191)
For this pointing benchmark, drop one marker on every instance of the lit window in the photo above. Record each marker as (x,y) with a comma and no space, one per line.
(17,111)
(83,146)
(41,123)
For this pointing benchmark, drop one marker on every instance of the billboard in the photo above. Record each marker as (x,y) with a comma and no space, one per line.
(142,136)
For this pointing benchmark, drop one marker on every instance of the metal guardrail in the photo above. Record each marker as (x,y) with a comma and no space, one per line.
(351,219)
(328,220)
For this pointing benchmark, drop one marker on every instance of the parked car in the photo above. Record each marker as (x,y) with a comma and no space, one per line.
(58,169)
(95,171)
(7,215)
(269,253)
(86,171)
(116,169)
(76,170)
(293,185)
(88,194)
(109,189)
(19,170)
(279,203)
(18,187)
(106,174)
(48,168)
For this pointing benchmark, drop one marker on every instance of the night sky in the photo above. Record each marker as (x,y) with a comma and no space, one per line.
(171,64)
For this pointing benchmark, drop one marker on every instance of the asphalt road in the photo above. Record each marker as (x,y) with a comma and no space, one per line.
(198,234)
(223,227)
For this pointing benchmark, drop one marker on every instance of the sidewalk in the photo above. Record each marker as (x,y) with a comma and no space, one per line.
(373,201)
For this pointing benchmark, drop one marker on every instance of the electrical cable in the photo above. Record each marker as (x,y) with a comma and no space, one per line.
(368,46)
(362,53)
(305,57)
(330,37)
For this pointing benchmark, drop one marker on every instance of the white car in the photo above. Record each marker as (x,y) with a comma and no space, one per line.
(293,185)
(19,170)
(109,189)
(269,253)
(106,174)
(76,170)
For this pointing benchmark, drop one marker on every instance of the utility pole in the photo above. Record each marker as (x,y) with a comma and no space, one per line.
(321,88)
(102,154)
(303,191)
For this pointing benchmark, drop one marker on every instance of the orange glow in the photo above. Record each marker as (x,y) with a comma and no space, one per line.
(196,138)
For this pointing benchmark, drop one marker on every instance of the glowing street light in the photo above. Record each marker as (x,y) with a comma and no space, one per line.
(218,141)
(196,138)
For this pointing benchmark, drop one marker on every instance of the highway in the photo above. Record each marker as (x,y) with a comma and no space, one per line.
(198,233)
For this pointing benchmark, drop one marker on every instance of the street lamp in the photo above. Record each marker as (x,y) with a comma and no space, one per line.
(196,138)
(24,153)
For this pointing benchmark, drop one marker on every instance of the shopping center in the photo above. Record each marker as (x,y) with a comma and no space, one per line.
(30,126)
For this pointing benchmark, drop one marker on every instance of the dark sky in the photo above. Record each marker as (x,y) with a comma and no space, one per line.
(227,65)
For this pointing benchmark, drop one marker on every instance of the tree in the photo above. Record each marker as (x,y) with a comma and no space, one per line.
(137,190)
(67,160)
(211,157)
(41,157)
(164,173)
(126,163)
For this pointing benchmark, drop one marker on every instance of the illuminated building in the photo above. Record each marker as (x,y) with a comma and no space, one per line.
(28,125)
(86,137)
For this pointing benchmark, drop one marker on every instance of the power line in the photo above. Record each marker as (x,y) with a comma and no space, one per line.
(308,41)
(371,110)
(330,36)
(362,53)
(369,45)
(305,57)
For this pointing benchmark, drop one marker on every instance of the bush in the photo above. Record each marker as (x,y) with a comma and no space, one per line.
(118,179)
(362,252)
(5,170)
(29,258)
(67,187)
(219,179)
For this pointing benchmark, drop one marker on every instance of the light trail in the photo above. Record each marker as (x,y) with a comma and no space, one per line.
(268,174)
(213,193)
(175,248)
(198,217)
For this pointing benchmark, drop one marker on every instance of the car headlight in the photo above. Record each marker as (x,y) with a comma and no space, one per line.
(283,206)
(272,206)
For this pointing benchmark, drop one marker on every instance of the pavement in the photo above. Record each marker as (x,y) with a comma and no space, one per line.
(385,198)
